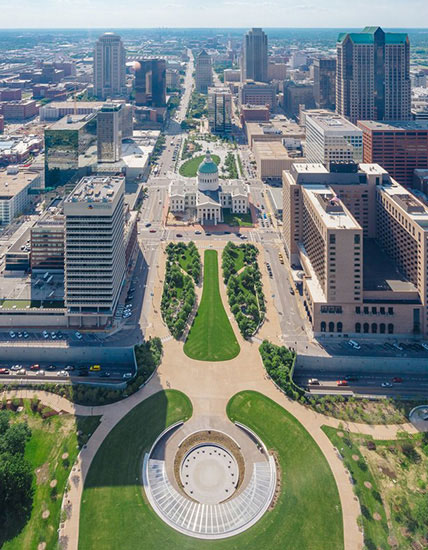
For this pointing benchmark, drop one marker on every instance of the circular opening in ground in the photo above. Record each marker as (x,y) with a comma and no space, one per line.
(209,473)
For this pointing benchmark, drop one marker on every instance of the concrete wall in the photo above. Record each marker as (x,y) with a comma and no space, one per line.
(355,364)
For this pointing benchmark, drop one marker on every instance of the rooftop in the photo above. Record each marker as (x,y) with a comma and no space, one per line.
(367,36)
(394,125)
(331,123)
(271,149)
(11,184)
(329,208)
(96,189)
(71,122)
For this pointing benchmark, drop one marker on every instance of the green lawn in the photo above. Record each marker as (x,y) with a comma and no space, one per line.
(307,515)
(211,337)
(49,440)
(114,513)
(190,167)
(23,304)
(241,220)
(375,531)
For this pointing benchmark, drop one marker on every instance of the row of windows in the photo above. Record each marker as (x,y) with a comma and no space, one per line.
(366,328)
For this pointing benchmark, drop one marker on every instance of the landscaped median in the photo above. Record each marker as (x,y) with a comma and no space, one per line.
(189,168)
(244,286)
(183,270)
(211,337)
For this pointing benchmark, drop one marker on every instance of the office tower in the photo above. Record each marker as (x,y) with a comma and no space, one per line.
(220,110)
(109,133)
(150,82)
(296,95)
(47,243)
(109,67)
(203,72)
(361,239)
(332,138)
(94,250)
(69,148)
(255,56)
(257,93)
(399,147)
(325,83)
(373,75)
(158,82)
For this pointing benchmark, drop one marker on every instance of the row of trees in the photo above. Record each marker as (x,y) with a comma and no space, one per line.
(148,356)
(183,269)
(278,362)
(230,164)
(16,477)
(244,289)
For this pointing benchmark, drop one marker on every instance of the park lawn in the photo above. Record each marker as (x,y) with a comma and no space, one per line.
(50,438)
(190,167)
(375,532)
(184,262)
(308,513)
(23,304)
(114,513)
(211,337)
(241,220)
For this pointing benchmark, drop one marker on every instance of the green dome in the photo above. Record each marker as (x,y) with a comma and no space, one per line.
(208,166)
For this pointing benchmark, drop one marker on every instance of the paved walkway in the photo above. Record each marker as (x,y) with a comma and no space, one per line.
(210,386)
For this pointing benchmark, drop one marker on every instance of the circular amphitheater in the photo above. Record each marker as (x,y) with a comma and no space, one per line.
(209,484)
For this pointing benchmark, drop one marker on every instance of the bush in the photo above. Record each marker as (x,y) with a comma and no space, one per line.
(279,362)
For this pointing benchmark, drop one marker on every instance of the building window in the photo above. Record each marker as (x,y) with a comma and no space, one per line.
(382,328)
(358,310)
(366,328)
(390,311)
(374,328)
(366,310)
(331,326)
(339,326)
(357,327)
(390,328)
(357,239)
(332,238)
(323,326)
(374,310)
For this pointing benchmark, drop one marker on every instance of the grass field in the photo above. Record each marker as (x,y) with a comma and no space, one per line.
(50,438)
(241,220)
(114,513)
(211,337)
(308,512)
(190,167)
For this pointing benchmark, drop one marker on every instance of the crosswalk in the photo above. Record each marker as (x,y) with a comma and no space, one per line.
(210,520)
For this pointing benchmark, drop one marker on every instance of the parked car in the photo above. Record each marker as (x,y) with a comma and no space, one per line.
(386,385)
(51,367)
(25,334)
(179,235)
(4,371)
(22,372)
(69,367)
(397,346)
(16,367)
(313,382)
(12,334)
(35,367)
(152,231)
(354,344)
(127,375)
(78,335)
(45,334)
(341,383)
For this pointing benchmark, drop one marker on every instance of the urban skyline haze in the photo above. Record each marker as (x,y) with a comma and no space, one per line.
(207,13)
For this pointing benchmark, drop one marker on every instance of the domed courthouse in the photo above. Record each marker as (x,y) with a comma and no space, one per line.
(204,198)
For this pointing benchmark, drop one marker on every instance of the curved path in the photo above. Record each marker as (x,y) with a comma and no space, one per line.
(210,386)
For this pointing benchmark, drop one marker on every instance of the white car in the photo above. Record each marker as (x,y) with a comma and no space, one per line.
(425,346)
(45,334)
(22,372)
(12,334)
(53,335)
(62,373)
(78,335)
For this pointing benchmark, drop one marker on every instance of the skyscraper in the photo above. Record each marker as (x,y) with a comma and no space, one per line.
(255,56)
(373,75)
(220,110)
(109,66)
(109,133)
(150,82)
(325,83)
(203,72)
(94,249)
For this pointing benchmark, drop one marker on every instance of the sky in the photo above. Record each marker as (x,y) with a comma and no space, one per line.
(212,13)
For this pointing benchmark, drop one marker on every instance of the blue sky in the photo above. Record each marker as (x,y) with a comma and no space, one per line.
(212,13)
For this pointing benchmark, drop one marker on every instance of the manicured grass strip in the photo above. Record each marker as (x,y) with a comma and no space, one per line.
(114,513)
(308,512)
(241,220)
(211,337)
(375,530)
(190,167)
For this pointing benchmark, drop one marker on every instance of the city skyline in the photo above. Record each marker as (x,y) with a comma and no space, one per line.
(178,14)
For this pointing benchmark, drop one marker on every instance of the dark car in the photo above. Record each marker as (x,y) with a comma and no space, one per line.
(351,378)
(51,367)
(397,380)
(105,374)
(179,235)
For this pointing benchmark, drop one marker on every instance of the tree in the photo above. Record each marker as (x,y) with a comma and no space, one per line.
(421,512)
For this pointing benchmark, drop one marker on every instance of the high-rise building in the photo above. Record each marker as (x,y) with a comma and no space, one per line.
(255,56)
(257,93)
(150,82)
(325,83)
(70,148)
(220,110)
(203,72)
(109,67)
(361,239)
(399,147)
(109,133)
(373,75)
(94,250)
(332,138)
